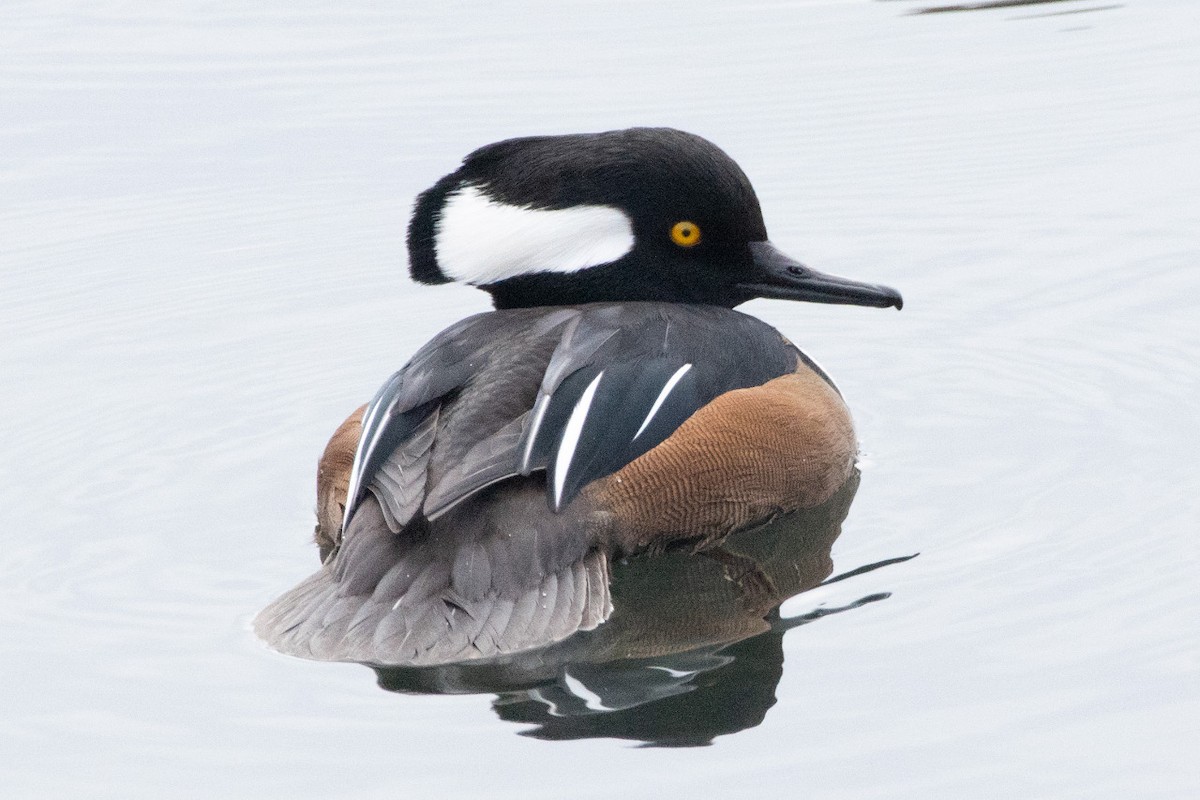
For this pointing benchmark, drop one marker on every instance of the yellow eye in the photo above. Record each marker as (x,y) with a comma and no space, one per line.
(685,234)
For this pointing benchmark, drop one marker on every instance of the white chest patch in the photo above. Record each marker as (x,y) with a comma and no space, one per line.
(480,240)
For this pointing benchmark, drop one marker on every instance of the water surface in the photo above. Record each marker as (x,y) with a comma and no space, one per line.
(202,273)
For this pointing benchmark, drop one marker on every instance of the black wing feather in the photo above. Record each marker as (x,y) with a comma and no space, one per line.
(638,347)
(623,399)
(561,403)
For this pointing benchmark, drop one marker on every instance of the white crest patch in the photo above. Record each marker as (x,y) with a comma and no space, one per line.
(480,240)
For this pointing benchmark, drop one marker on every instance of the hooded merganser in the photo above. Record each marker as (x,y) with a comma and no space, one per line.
(614,403)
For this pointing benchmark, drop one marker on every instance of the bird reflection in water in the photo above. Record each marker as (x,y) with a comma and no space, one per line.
(693,648)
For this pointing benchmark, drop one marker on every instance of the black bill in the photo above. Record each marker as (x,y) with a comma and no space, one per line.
(782,277)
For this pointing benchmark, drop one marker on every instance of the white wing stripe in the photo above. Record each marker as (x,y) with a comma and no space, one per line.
(662,397)
(570,440)
(535,423)
(360,455)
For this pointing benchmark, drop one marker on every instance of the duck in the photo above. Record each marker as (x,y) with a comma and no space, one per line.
(612,404)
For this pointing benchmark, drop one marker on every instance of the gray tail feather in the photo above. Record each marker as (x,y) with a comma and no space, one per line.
(319,620)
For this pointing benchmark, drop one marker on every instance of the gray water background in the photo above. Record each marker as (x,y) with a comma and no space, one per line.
(202,271)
